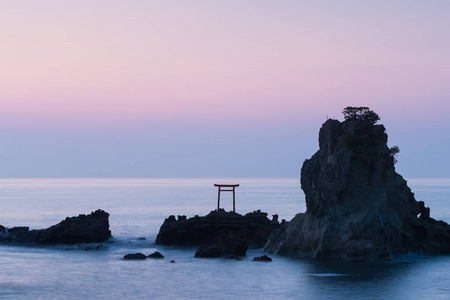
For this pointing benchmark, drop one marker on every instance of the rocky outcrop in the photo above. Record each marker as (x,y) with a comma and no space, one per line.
(92,228)
(228,245)
(358,207)
(254,228)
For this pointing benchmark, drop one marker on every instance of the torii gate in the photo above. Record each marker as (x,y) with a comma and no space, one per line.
(220,186)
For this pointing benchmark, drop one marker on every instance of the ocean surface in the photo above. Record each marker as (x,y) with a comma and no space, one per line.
(138,207)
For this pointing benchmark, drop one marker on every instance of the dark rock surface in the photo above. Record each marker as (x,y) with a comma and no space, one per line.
(92,228)
(135,256)
(17,229)
(254,228)
(210,251)
(358,207)
(156,254)
(262,258)
(227,245)
(230,244)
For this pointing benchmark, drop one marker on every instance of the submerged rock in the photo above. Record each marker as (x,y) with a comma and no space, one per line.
(156,254)
(254,227)
(92,228)
(262,258)
(358,207)
(135,256)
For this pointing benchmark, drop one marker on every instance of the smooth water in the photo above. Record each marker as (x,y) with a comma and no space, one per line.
(138,207)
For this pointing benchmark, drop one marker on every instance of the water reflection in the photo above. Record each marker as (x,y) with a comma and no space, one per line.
(406,277)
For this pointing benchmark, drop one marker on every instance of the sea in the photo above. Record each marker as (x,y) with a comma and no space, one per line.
(138,207)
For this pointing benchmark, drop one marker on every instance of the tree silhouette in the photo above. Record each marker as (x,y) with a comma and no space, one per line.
(360,113)
(393,151)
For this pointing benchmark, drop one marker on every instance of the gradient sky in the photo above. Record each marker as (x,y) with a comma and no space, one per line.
(210,88)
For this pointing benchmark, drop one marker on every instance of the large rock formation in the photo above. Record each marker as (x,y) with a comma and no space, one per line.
(254,227)
(92,228)
(358,207)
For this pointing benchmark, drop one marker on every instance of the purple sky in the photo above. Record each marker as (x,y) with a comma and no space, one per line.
(216,88)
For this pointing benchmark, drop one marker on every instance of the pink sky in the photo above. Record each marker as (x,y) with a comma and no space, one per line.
(109,64)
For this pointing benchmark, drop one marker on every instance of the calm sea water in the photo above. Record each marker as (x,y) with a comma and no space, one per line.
(138,207)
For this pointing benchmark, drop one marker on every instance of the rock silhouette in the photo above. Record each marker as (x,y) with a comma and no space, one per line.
(254,228)
(358,207)
(262,258)
(134,256)
(156,254)
(92,228)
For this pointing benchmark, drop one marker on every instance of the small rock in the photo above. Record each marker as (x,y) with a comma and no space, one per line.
(141,239)
(156,255)
(172,261)
(135,256)
(262,258)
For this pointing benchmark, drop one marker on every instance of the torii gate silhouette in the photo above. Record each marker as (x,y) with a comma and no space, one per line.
(221,186)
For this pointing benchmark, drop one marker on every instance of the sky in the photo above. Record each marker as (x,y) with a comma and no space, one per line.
(192,88)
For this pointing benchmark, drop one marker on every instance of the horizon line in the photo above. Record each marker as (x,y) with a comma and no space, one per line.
(53,178)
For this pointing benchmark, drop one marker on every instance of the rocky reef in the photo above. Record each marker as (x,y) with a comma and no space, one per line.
(91,228)
(358,207)
(219,233)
